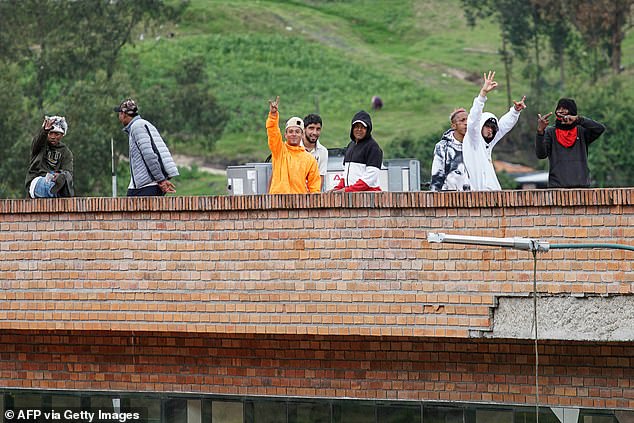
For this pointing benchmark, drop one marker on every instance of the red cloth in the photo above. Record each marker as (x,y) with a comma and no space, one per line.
(566,137)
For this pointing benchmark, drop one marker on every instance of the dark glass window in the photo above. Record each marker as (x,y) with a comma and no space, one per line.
(265,411)
(439,414)
(309,412)
(353,412)
(227,412)
(398,413)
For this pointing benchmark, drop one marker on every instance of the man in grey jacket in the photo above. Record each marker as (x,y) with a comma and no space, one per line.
(151,164)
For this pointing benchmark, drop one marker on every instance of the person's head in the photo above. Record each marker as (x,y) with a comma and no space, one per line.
(58,130)
(565,107)
(489,127)
(127,110)
(294,131)
(360,126)
(312,128)
(458,119)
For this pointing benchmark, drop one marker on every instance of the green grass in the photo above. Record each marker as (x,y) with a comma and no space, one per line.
(330,56)
(191,181)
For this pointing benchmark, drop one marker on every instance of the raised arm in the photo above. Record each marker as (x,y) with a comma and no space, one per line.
(40,139)
(542,146)
(473,121)
(593,128)
(489,84)
(272,127)
(509,120)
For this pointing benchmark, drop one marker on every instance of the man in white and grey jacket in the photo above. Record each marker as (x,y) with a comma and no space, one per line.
(151,164)
(483,133)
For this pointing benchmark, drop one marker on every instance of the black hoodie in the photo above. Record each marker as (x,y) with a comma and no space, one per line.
(363,159)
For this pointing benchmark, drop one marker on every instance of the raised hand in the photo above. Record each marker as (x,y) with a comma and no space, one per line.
(520,105)
(542,122)
(48,123)
(569,119)
(274,105)
(489,83)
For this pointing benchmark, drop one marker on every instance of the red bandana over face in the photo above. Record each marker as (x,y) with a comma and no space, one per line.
(566,137)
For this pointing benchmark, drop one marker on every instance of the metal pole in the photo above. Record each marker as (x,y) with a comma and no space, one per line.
(114,173)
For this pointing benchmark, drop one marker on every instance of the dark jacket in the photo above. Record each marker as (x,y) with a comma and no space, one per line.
(363,159)
(568,166)
(46,158)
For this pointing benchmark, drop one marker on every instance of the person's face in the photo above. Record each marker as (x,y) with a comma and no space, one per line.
(121,117)
(359,131)
(459,123)
(312,132)
(487,132)
(54,137)
(293,135)
(561,112)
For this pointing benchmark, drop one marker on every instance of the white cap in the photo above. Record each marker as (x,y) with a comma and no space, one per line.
(295,121)
(361,122)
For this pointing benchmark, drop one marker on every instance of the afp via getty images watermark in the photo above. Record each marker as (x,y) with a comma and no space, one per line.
(69,415)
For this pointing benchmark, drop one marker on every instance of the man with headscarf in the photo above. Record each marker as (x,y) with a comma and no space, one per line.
(483,133)
(566,145)
(50,171)
(363,159)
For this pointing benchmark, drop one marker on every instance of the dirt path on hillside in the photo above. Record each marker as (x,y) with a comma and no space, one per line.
(183,160)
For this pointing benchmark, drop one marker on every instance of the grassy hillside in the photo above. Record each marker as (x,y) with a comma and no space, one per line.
(331,57)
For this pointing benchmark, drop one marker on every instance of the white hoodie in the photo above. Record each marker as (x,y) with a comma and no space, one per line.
(476,152)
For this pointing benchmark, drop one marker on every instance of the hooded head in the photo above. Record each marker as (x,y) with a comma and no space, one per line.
(488,126)
(565,107)
(361,118)
(567,104)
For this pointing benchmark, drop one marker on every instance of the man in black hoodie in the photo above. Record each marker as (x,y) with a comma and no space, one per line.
(566,145)
(363,159)
(50,171)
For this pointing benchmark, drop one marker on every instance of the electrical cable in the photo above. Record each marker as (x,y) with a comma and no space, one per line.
(534,251)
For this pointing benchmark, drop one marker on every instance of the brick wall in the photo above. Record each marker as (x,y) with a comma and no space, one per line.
(429,369)
(330,273)
(356,264)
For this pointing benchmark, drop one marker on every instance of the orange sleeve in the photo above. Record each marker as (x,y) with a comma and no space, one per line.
(314,179)
(274,135)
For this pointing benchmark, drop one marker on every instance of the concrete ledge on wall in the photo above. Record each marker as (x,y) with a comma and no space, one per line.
(565,317)
(391,200)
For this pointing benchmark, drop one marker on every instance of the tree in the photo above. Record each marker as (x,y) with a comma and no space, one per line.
(516,19)
(66,41)
(67,55)
(610,157)
(602,24)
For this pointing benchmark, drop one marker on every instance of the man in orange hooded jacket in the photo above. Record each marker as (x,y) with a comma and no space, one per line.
(295,171)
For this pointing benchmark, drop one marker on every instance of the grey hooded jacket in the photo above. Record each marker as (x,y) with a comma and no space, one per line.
(150,160)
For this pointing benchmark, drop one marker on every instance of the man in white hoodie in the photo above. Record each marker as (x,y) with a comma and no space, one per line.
(483,133)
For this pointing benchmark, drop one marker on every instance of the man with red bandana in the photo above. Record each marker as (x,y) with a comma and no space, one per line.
(566,145)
